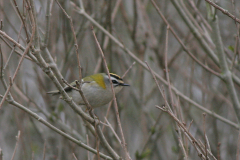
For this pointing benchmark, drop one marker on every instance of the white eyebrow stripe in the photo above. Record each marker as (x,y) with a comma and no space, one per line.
(112,78)
(118,81)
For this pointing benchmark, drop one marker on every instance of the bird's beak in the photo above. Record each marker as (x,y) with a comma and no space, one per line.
(124,84)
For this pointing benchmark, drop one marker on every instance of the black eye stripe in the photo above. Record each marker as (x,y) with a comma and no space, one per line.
(114,81)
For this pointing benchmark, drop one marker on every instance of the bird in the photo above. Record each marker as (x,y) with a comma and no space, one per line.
(96,88)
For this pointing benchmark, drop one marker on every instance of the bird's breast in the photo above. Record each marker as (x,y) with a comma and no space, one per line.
(96,95)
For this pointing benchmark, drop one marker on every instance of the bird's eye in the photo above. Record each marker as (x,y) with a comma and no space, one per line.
(114,81)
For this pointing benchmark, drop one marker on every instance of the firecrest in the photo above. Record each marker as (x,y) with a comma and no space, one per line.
(96,88)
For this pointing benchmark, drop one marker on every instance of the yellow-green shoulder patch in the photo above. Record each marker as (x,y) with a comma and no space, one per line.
(99,79)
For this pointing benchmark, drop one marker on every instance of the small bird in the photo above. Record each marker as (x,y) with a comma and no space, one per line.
(96,88)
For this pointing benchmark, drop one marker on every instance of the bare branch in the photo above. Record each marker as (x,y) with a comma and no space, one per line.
(223,11)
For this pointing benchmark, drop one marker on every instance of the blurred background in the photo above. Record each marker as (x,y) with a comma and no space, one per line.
(149,132)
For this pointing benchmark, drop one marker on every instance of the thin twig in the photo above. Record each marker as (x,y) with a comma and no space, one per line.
(184,151)
(48,16)
(16,146)
(115,9)
(75,157)
(7,91)
(159,88)
(235,53)
(151,133)
(69,85)
(44,149)
(182,126)
(1,59)
(9,57)
(97,144)
(127,156)
(110,126)
(18,52)
(128,69)
(88,154)
(108,110)
(12,40)
(22,20)
(166,68)
(198,13)
(208,150)
(204,131)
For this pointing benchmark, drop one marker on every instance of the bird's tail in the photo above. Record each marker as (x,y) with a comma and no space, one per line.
(56,92)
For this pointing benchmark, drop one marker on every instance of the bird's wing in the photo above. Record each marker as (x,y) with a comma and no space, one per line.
(68,88)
